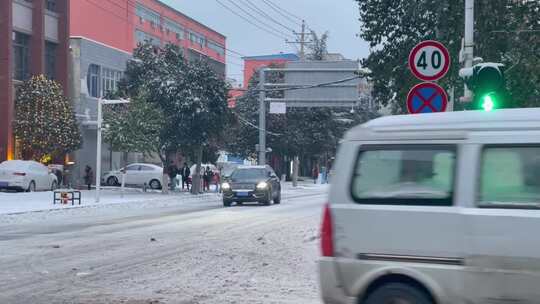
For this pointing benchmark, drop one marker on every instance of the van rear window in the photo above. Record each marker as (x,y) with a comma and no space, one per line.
(404,175)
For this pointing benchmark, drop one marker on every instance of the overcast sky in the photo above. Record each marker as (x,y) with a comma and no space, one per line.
(338,17)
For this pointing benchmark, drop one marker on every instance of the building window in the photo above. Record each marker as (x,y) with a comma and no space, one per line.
(109,80)
(50,59)
(101,80)
(216,47)
(174,27)
(93,80)
(148,15)
(50,5)
(21,44)
(141,37)
(196,38)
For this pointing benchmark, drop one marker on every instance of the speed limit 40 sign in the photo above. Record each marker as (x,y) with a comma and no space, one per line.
(429,60)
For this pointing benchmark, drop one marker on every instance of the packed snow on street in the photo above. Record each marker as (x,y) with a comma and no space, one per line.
(155,248)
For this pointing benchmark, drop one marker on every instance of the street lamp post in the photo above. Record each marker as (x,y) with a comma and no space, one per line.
(102,102)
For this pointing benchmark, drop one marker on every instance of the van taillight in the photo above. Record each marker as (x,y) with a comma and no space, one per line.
(327,235)
(19,173)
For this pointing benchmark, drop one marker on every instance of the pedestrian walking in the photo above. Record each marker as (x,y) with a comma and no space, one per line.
(315,173)
(323,175)
(172,171)
(59,176)
(217,179)
(185,172)
(88,176)
(207,178)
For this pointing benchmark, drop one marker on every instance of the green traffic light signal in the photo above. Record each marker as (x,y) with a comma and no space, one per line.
(487,82)
(488,102)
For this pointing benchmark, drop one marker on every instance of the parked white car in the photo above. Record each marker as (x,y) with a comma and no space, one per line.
(26,175)
(136,174)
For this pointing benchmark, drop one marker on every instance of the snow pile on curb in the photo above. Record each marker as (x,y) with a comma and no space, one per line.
(16,203)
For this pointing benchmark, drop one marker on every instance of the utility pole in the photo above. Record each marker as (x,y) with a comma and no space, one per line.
(262,118)
(468,47)
(302,40)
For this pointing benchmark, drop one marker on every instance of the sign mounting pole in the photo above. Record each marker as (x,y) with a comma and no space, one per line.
(262,118)
(468,49)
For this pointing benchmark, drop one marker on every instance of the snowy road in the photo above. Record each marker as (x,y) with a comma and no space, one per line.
(189,253)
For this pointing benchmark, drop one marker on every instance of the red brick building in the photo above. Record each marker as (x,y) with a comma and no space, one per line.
(121,24)
(34,39)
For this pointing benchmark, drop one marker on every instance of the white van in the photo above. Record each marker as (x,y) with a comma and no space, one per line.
(435,209)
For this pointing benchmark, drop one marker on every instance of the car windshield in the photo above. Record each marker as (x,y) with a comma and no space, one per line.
(248,174)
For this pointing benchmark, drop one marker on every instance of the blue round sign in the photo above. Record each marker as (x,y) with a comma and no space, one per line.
(426,97)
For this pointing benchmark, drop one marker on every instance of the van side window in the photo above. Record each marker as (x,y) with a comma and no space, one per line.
(404,175)
(510,177)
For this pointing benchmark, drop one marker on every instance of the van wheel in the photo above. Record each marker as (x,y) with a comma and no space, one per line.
(398,293)
(226,203)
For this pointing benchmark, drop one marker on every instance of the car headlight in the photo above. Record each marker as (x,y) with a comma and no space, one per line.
(225,186)
(262,185)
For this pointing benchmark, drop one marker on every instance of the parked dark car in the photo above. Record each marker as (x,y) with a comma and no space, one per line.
(252,184)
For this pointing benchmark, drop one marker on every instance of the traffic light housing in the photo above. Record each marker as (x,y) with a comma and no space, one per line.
(487,82)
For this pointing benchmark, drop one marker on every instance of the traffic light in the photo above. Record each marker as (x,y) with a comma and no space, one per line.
(487,102)
(486,81)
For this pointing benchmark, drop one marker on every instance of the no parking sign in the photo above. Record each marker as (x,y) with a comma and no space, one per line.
(426,97)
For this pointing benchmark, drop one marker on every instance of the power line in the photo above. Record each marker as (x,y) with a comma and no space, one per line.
(318,85)
(264,14)
(260,21)
(283,12)
(239,55)
(234,63)
(247,122)
(286,11)
(257,19)
(247,20)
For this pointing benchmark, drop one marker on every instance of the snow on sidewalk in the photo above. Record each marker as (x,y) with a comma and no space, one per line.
(11,203)
(14,203)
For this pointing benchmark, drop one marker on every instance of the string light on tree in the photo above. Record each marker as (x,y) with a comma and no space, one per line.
(45,126)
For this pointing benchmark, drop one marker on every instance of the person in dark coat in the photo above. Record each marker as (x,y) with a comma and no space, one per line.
(88,176)
(315,173)
(172,171)
(185,172)
(59,176)
(207,178)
